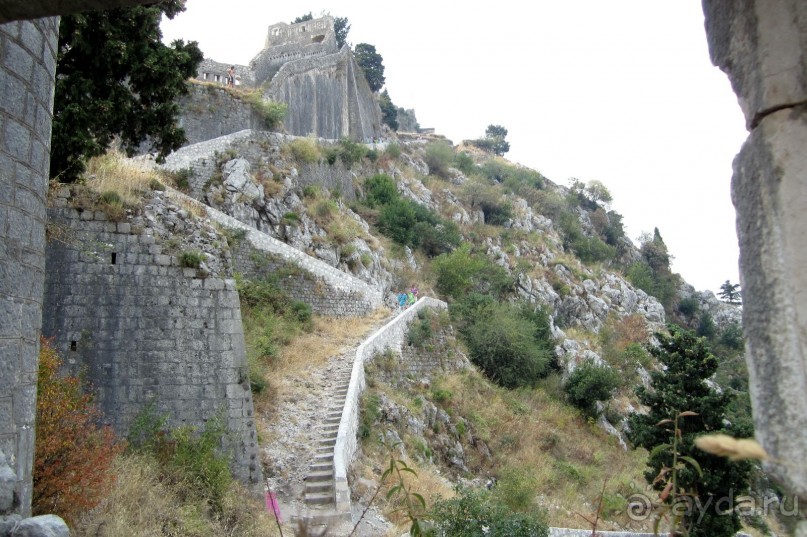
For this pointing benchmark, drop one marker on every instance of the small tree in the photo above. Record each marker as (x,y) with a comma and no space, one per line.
(389,114)
(341,27)
(303,18)
(372,64)
(682,387)
(494,140)
(730,292)
(73,453)
(590,383)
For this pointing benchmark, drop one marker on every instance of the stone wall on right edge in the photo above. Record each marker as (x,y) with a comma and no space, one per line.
(762,46)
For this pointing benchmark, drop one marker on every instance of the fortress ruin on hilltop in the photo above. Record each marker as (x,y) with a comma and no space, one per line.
(302,66)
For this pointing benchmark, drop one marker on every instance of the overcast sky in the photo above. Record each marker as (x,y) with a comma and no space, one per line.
(621,91)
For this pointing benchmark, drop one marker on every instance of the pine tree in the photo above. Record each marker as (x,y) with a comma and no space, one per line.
(730,292)
(682,387)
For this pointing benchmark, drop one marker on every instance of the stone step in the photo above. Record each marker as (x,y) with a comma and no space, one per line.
(319,486)
(323,459)
(321,467)
(319,475)
(320,498)
(327,442)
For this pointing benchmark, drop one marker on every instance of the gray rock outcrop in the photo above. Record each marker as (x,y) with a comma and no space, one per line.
(761,45)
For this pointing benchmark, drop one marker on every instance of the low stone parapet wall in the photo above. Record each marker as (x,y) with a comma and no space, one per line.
(328,290)
(391,336)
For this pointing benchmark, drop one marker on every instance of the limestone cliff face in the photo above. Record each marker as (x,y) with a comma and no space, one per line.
(327,96)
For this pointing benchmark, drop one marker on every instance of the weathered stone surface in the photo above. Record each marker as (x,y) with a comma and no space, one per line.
(141,328)
(27,67)
(237,179)
(327,96)
(770,192)
(760,44)
(41,526)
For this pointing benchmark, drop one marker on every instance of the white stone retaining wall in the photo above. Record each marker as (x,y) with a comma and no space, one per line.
(391,336)
(328,290)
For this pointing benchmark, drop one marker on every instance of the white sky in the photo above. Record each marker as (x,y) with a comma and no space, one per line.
(620,91)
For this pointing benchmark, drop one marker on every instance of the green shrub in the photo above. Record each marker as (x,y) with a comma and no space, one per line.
(326,209)
(155,184)
(475,514)
(187,455)
(706,326)
(689,306)
(516,489)
(393,151)
(372,155)
(351,152)
(497,213)
(507,346)
(191,259)
(439,156)
(397,221)
(304,150)
(312,191)
(464,163)
(273,113)
(732,337)
(590,383)
(380,190)
(462,272)
(111,197)
(369,414)
(420,332)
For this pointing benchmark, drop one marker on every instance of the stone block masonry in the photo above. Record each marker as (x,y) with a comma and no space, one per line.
(328,290)
(139,327)
(27,68)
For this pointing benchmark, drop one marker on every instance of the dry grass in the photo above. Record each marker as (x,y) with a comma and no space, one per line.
(564,456)
(311,350)
(142,504)
(113,172)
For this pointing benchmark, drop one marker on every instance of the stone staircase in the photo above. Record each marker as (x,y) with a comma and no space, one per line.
(319,482)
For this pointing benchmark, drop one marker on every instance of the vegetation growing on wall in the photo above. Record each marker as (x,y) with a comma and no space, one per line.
(74,454)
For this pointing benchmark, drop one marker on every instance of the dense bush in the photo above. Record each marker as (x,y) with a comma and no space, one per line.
(588,249)
(73,453)
(462,272)
(476,514)
(508,344)
(590,383)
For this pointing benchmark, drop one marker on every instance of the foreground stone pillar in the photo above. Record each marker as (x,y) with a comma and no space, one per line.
(762,46)
(27,67)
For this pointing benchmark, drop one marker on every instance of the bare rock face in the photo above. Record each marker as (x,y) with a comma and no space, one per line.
(761,45)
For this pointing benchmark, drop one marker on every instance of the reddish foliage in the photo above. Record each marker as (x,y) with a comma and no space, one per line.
(73,452)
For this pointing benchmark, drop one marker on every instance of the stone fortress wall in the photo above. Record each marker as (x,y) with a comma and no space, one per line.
(327,96)
(215,72)
(27,68)
(300,65)
(289,42)
(126,316)
(209,112)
